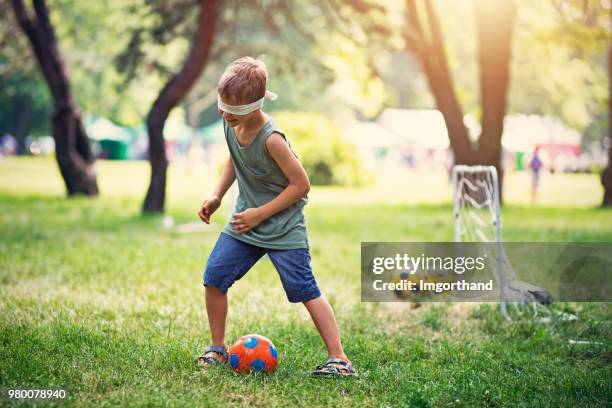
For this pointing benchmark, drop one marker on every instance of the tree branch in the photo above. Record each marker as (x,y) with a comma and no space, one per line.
(42,15)
(435,67)
(434,29)
(413,18)
(363,6)
(172,92)
(415,40)
(21,13)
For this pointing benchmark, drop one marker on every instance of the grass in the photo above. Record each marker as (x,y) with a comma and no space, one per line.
(108,304)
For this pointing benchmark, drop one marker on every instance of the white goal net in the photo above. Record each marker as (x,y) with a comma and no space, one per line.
(477,218)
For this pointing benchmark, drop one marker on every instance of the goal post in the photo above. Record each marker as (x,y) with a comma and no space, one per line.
(477,218)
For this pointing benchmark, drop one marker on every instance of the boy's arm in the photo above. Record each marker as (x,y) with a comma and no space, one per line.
(228,175)
(298,186)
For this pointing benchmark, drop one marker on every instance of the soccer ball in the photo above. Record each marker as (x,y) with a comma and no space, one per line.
(253,353)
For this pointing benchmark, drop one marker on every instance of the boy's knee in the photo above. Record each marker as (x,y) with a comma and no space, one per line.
(214,291)
(294,269)
(217,280)
(302,295)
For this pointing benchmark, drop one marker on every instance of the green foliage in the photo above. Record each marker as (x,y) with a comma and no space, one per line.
(90,36)
(569,80)
(342,57)
(597,130)
(327,158)
(281,33)
(558,62)
(25,102)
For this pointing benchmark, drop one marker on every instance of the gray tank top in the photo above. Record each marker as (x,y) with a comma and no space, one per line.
(259,181)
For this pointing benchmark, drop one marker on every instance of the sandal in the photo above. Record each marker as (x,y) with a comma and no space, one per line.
(336,367)
(205,360)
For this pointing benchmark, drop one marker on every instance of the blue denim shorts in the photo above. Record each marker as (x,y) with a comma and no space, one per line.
(231,259)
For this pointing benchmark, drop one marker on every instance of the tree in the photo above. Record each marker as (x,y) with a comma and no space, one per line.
(72,148)
(495,21)
(170,95)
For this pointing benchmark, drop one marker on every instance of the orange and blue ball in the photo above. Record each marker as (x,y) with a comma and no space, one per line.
(253,353)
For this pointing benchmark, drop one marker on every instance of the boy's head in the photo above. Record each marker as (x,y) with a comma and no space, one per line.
(243,83)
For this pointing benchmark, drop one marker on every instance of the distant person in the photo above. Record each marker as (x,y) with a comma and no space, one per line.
(268,218)
(536,166)
(408,158)
(8,145)
(449,163)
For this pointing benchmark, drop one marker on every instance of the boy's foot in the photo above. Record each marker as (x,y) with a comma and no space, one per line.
(336,367)
(212,355)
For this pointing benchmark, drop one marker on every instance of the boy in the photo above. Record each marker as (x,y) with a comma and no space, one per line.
(269,217)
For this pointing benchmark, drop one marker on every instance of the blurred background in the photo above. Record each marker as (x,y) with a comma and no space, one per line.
(370,91)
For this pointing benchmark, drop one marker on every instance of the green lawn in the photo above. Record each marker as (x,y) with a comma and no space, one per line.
(108,304)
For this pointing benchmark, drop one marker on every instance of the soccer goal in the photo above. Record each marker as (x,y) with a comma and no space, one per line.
(477,219)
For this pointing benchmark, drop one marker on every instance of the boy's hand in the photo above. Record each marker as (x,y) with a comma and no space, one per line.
(247,220)
(208,208)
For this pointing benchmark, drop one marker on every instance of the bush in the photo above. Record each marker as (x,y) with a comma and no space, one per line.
(327,158)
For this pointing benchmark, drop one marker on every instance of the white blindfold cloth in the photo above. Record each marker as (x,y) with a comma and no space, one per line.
(245,109)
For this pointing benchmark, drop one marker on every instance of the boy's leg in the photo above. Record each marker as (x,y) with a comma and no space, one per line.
(325,321)
(216,310)
(229,261)
(293,266)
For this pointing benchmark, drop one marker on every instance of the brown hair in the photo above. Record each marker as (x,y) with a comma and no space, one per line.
(244,80)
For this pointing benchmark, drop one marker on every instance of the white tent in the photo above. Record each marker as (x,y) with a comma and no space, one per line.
(420,128)
(370,135)
(102,128)
(523,132)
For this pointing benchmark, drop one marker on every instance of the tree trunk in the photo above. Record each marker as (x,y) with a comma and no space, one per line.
(24,121)
(72,149)
(606,177)
(494,22)
(429,48)
(169,96)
